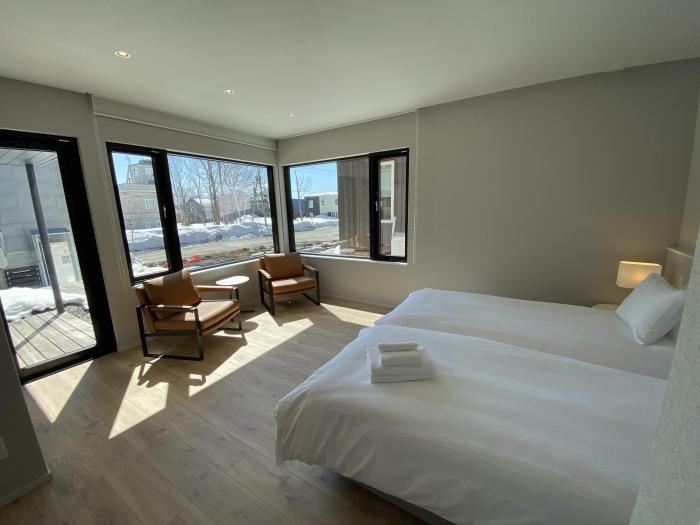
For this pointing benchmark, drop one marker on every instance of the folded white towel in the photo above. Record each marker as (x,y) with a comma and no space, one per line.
(397,347)
(391,374)
(404,357)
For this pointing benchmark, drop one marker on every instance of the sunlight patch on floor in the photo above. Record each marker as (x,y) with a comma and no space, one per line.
(147,402)
(61,389)
(348,315)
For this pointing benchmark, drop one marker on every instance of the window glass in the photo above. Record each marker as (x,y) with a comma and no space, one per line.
(136,187)
(223,210)
(330,207)
(355,207)
(392,207)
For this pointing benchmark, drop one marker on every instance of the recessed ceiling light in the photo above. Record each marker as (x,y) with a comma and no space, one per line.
(122,54)
(291,115)
(228,91)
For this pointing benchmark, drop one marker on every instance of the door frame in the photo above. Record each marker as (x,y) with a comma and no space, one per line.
(83,232)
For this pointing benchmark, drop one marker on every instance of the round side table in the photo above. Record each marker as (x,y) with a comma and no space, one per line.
(236,280)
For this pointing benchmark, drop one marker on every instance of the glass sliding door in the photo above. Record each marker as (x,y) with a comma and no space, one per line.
(52,296)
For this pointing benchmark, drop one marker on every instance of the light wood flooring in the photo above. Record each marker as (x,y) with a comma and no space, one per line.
(180,442)
(48,335)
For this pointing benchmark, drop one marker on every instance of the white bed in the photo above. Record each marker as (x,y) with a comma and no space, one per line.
(502,435)
(588,334)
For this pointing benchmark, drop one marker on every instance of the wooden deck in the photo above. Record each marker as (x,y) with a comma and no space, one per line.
(48,335)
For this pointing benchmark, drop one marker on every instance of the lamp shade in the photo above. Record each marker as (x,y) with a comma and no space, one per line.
(630,274)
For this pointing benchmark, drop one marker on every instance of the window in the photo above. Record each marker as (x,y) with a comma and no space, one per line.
(355,207)
(181,211)
(146,248)
(224,209)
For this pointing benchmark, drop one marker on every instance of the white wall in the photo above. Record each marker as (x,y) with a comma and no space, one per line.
(691,212)
(536,192)
(669,492)
(25,466)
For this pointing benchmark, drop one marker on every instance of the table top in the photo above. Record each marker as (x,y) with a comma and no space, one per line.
(235,280)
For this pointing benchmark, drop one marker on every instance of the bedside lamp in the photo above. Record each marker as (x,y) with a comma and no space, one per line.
(630,274)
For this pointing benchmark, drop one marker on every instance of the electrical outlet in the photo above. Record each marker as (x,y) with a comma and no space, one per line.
(3,450)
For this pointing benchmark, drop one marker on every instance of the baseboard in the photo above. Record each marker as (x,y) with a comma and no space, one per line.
(357,300)
(27,488)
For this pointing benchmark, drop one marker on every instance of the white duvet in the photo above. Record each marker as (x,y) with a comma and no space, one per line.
(588,334)
(502,435)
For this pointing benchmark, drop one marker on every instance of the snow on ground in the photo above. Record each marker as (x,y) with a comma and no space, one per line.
(139,269)
(23,302)
(321,221)
(152,238)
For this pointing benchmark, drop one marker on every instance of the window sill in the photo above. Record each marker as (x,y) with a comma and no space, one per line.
(351,259)
(224,267)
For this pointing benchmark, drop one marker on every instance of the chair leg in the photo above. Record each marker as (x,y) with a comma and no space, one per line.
(144,345)
(272,302)
(200,343)
(240,322)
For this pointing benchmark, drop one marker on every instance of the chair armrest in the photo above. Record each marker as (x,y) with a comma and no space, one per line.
(169,307)
(214,288)
(264,274)
(218,288)
(308,268)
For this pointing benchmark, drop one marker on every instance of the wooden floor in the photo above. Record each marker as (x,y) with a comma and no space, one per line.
(136,441)
(48,335)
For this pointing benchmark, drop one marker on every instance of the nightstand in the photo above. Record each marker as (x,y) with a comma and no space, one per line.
(605,306)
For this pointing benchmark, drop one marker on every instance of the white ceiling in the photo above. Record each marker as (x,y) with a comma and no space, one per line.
(330,62)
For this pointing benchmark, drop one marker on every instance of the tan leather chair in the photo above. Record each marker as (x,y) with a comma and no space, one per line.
(171,305)
(282,275)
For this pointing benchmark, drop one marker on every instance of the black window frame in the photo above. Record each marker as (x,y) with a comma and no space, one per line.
(374,233)
(80,217)
(166,205)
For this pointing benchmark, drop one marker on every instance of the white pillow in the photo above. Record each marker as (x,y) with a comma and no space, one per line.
(652,310)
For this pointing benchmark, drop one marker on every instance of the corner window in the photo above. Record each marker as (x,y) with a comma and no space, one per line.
(181,211)
(354,207)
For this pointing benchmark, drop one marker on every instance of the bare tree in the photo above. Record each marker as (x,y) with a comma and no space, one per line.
(263,196)
(211,185)
(195,183)
(179,184)
(302,185)
(235,180)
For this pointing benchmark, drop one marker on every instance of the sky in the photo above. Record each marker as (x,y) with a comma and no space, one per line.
(323,177)
(121,164)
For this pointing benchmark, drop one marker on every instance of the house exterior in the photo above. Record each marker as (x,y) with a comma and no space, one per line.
(321,204)
(232,206)
(18,234)
(138,197)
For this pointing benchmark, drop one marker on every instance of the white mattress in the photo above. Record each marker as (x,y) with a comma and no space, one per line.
(588,334)
(502,435)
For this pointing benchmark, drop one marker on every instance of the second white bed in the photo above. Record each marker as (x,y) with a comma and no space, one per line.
(588,334)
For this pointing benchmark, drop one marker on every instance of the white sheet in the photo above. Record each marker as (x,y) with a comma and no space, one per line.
(502,435)
(588,334)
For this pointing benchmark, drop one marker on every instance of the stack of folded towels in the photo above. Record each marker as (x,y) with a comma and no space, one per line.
(391,362)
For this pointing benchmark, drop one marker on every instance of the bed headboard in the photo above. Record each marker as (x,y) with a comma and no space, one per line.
(679,261)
